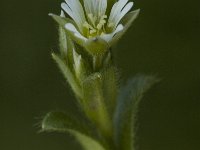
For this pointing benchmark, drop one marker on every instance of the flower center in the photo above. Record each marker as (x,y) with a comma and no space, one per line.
(95,25)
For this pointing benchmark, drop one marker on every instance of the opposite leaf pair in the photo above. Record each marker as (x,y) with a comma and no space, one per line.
(123,123)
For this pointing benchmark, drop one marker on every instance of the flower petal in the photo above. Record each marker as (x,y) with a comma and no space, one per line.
(124,12)
(118,11)
(75,10)
(95,7)
(126,21)
(117,7)
(108,37)
(102,7)
(75,34)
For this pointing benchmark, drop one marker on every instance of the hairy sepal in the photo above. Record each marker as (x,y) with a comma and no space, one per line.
(69,75)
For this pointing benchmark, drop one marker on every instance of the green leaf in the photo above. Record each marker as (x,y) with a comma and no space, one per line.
(68,75)
(94,103)
(127,22)
(127,108)
(87,142)
(110,88)
(60,122)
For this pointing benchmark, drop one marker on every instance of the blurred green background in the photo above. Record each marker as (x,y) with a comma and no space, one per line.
(165,40)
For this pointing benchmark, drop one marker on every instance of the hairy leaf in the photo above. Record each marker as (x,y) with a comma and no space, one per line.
(94,102)
(127,108)
(60,122)
(110,88)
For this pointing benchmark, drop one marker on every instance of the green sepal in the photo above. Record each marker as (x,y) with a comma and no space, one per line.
(127,108)
(69,54)
(62,21)
(70,46)
(68,75)
(63,43)
(94,103)
(127,22)
(66,46)
(79,66)
(96,46)
(61,122)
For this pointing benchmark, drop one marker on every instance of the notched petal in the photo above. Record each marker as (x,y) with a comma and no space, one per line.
(126,21)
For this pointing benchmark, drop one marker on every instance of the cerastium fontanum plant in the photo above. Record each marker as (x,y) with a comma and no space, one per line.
(109,110)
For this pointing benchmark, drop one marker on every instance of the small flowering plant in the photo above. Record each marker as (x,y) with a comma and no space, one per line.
(87,31)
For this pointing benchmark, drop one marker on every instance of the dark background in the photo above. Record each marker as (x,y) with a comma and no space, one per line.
(164,41)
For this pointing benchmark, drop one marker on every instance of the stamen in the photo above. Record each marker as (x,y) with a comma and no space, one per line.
(92,19)
(93,31)
(101,22)
(111,25)
(86,25)
(103,17)
(95,27)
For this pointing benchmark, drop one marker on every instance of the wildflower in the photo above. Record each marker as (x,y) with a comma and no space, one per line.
(91,27)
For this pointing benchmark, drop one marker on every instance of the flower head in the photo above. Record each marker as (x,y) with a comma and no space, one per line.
(92,27)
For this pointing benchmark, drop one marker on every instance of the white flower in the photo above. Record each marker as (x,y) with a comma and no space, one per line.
(92,28)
